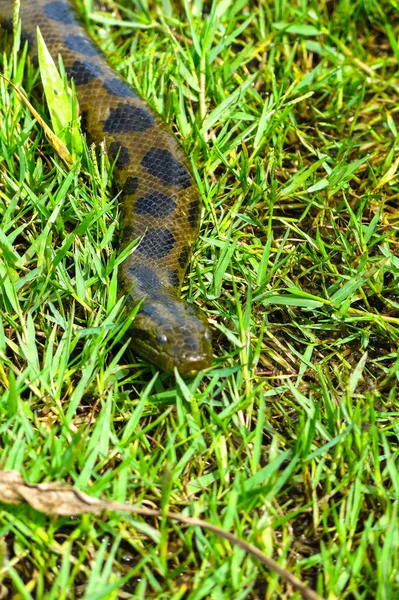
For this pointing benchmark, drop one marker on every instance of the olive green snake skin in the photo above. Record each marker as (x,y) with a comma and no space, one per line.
(160,202)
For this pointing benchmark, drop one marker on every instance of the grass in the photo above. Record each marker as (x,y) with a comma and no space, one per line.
(289,112)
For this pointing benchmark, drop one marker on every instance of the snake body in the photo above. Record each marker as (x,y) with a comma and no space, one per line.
(160,202)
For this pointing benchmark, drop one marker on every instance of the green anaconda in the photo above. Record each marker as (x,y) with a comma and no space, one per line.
(160,201)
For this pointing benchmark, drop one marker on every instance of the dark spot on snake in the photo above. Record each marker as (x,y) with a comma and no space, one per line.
(126,118)
(149,310)
(83,71)
(83,119)
(162,164)
(118,88)
(123,157)
(27,37)
(130,186)
(59,11)
(173,277)
(183,258)
(7,24)
(156,243)
(193,213)
(145,276)
(155,205)
(127,233)
(78,43)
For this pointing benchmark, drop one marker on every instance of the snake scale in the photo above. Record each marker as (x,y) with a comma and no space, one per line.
(160,201)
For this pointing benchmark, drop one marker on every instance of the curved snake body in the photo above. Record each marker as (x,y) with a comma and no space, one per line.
(160,202)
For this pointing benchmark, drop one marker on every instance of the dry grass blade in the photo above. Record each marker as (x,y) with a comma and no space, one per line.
(61,500)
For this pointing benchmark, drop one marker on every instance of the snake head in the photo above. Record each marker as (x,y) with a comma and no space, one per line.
(172,333)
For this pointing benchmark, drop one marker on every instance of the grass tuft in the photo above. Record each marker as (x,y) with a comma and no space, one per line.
(289,114)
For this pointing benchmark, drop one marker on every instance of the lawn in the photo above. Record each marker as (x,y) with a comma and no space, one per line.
(289,113)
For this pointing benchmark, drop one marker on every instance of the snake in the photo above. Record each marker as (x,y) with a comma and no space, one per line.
(160,202)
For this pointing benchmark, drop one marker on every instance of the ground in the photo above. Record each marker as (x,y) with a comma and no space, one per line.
(289,113)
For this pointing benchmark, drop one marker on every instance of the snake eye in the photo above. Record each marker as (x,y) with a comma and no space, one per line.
(161,338)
